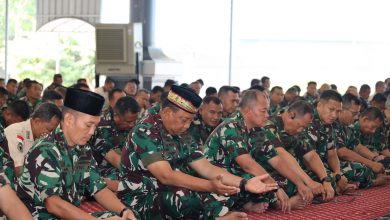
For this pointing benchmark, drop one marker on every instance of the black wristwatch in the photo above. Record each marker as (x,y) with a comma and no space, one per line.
(123,210)
(243,184)
(337,178)
(326,179)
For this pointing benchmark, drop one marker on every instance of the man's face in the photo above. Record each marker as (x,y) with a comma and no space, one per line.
(80,127)
(42,127)
(365,93)
(176,122)
(230,102)
(115,97)
(266,84)
(196,87)
(329,110)
(276,97)
(258,113)
(59,103)
(126,122)
(211,113)
(312,89)
(349,115)
(58,80)
(294,125)
(3,100)
(12,88)
(130,88)
(34,91)
(109,86)
(156,97)
(10,117)
(369,126)
(380,105)
(143,99)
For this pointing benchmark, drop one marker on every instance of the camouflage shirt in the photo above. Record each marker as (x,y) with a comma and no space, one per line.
(199,130)
(321,136)
(6,163)
(147,143)
(310,99)
(31,107)
(294,144)
(374,142)
(345,137)
(107,137)
(53,168)
(232,139)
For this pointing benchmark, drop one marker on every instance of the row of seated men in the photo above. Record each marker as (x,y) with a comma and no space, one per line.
(176,162)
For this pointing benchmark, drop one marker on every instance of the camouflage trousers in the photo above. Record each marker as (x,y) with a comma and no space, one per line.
(357,172)
(177,203)
(288,186)
(108,214)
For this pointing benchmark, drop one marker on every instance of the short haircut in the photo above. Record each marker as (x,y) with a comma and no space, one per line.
(364,87)
(3,92)
(109,80)
(169,82)
(51,95)
(211,90)
(112,92)
(379,98)
(81,80)
(200,81)
(46,112)
(350,99)
(255,82)
(379,83)
(373,113)
(301,108)
(311,83)
(333,86)
(136,81)
(213,99)
(12,81)
(225,89)
(29,83)
(157,89)
(275,88)
(297,88)
(20,108)
(292,90)
(126,104)
(264,78)
(80,85)
(144,91)
(57,75)
(258,87)
(250,97)
(331,95)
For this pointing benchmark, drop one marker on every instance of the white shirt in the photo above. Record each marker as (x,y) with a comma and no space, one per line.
(20,139)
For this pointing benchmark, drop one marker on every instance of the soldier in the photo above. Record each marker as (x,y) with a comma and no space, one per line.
(321,135)
(142,99)
(229,97)
(12,89)
(311,94)
(52,96)
(206,120)
(33,95)
(354,166)
(59,169)
(276,96)
(15,112)
(113,97)
(288,125)
(157,159)
(110,137)
(20,136)
(370,133)
(10,204)
(241,146)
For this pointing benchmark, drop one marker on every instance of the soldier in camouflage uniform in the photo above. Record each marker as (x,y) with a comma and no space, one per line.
(276,96)
(311,95)
(59,169)
(354,166)
(321,135)
(110,137)
(230,98)
(288,125)
(207,118)
(7,164)
(33,95)
(157,160)
(371,135)
(241,146)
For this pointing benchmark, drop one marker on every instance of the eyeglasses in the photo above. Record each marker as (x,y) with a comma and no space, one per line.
(354,114)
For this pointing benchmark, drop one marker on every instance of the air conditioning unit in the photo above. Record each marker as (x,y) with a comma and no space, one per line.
(117,48)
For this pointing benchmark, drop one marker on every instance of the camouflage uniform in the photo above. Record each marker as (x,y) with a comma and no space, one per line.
(11,98)
(354,171)
(199,130)
(231,139)
(149,142)
(107,137)
(31,107)
(53,168)
(154,109)
(310,99)
(6,163)
(374,142)
(323,138)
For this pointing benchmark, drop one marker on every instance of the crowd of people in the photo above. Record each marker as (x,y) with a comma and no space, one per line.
(169,154)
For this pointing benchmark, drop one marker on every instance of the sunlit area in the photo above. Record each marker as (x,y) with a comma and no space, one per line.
(292,42)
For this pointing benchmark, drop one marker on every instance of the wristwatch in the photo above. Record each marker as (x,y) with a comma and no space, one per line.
(337,177)
(326,179)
